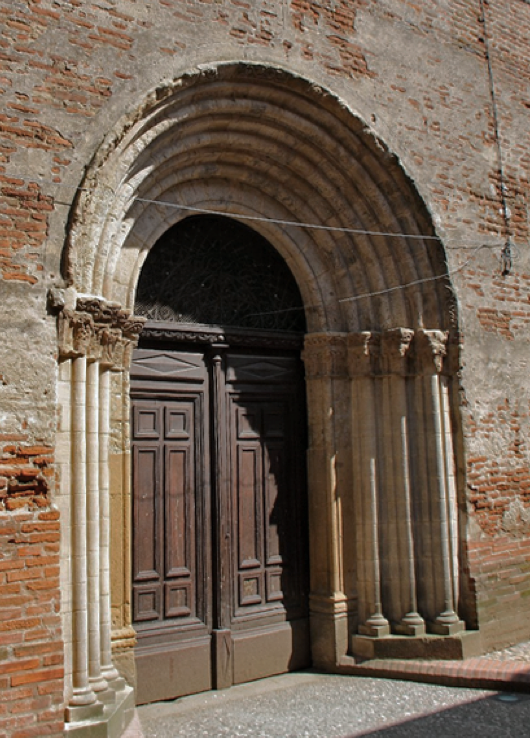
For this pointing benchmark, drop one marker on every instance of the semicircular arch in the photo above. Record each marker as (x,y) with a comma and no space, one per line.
(268,148)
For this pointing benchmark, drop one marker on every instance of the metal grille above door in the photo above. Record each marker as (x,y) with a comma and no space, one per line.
(217,271)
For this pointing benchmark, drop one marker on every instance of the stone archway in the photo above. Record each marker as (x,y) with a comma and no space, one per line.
(381,353)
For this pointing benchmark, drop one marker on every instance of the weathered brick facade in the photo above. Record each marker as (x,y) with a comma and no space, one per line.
(410,80)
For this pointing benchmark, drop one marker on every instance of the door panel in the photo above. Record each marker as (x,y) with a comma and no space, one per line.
(230,606)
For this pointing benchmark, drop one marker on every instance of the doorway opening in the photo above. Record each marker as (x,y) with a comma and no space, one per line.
(220,550)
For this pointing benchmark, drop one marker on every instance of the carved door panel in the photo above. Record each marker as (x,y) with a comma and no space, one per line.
(170,526)
(220,579)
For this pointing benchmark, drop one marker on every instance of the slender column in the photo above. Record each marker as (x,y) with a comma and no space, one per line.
(366,494)
(412,622)
(424,504)
(82,692)
(97,681)
(107,667)
(447,621)
(452,508)
(400,544)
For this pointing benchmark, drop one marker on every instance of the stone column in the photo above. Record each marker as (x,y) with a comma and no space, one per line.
(326,374)
(430,349)
(97,681)
(400,549)
(91,332)
(83,702)
(114,680)
(363,349)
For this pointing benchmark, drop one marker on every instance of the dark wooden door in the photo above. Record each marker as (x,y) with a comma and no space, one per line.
(220,560)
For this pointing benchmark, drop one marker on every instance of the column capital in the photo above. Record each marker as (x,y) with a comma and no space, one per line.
(325,355)
(363,350)
(430,350)
(100,330)
(395,345)
(381,353)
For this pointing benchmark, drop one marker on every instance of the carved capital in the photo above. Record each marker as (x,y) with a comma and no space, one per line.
(112,346)
(363,350)
(395,345)
(430,349)
(131,327)
(325,355)
(99,330)
(76,330)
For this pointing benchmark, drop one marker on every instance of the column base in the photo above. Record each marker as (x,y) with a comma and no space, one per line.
(114,678)
(441,647)
(375,630)
(107,696)
(412,625)
(110,723)
(76,713)
(447,629)
(376,625)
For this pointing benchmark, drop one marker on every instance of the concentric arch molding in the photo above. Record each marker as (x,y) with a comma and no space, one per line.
(258,142)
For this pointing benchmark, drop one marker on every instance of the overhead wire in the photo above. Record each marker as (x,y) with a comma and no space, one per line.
(263,219)
(298,224)
(364,295)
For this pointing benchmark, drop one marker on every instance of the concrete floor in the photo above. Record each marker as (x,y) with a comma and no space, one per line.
(312,705)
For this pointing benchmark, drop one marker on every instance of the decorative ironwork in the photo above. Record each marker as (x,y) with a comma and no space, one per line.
(216,271)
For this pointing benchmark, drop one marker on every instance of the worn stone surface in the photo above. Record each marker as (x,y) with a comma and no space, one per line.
(368,115)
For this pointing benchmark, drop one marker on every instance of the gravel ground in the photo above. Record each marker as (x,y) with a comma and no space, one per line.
(310,705)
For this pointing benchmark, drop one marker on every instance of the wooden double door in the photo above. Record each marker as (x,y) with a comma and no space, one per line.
(220,554)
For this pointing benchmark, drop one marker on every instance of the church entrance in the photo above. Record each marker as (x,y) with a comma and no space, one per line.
(220,551)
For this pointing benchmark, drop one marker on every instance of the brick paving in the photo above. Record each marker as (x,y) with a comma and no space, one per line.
(507,668)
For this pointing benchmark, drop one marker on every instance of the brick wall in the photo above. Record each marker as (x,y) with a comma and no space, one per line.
(416,74)
(31,650)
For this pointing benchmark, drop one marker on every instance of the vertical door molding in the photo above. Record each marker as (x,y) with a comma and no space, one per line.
(325,359)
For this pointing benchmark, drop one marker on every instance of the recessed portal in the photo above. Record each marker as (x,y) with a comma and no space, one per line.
(220,580)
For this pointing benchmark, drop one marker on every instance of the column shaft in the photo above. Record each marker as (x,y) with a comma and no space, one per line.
(107,667)
(97,681)
(82,691)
